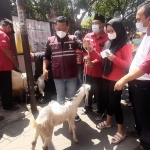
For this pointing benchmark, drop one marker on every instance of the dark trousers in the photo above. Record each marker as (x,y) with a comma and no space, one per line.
(6,89)
(141,107)
(112,100)
(131,98)
(96,90)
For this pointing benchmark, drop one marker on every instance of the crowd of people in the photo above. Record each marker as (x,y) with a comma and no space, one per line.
(107,55)
(105,58)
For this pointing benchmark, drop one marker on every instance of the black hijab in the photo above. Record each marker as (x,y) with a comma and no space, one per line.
(114,45)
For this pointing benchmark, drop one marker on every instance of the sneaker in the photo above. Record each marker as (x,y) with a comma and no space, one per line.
(1,118)
(13,108)
(77,118)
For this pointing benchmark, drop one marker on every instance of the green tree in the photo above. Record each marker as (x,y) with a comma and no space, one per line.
(41,9)
(125,9)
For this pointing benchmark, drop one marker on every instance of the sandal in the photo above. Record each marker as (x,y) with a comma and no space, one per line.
(118,138)
(103,125)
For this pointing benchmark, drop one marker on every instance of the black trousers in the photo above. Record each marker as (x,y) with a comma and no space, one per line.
(96,90)
(112,100)
(141,110)
(6,89)
(131,98)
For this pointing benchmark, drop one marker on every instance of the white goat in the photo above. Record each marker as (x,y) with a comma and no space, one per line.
(55,114)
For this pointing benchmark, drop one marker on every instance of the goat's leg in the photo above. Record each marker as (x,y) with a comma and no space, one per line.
(73,130)
(47,139)
(70,130)
(36,134)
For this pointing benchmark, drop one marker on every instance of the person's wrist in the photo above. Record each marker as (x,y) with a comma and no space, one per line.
(45,70)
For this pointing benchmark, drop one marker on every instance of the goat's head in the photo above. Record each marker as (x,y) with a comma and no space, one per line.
(85,88)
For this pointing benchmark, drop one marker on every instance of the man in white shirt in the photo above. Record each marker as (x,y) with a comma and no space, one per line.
(140,87)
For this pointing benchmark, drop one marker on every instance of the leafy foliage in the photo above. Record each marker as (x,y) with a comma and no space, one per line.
(48,10)
(124,9)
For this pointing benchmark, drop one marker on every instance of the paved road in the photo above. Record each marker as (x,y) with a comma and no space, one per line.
(18,136)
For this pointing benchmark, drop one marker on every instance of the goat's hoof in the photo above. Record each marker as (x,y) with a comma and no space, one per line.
(45,148)
(70,131)
(76,141)
(33,143)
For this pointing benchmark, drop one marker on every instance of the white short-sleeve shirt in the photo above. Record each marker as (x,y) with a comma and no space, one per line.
(140,57)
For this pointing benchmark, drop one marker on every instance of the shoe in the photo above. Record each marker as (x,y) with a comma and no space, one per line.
(77,118)
(138,148)
(86,110)
(1,118)
(132,134)
(13,108)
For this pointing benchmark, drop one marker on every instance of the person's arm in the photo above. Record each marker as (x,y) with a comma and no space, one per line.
(126,57)
(5,46)
(129,77)
(141,70)
(46,61)
(145,66)
(10,55)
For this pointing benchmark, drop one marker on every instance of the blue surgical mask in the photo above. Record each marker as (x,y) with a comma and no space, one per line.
(137,41)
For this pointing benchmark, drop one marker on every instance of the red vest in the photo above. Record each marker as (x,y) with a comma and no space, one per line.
(64,63)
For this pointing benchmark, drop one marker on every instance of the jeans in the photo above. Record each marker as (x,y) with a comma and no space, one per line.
(80,75)
(6,89)
(65,88)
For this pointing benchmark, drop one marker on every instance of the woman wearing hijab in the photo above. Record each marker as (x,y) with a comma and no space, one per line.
(118,57)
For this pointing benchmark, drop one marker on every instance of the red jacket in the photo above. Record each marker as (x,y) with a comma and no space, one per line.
(62,54)
(5,63)
(121,62)
(98,44)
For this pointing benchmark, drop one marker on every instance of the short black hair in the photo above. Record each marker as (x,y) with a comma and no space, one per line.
(79,34)
(62,19)
(146,6)
(6,22)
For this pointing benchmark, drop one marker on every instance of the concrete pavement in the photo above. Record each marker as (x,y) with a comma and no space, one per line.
(18,135)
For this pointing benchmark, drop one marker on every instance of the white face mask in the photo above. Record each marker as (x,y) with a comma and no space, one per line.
(95,28)
(61,34)
(140,27)
(112,36)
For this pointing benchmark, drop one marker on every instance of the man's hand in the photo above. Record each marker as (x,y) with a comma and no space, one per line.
(45,74)
(90,64)
(86,42)
(120,84)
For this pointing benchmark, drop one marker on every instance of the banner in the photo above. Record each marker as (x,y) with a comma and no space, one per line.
(38,32)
